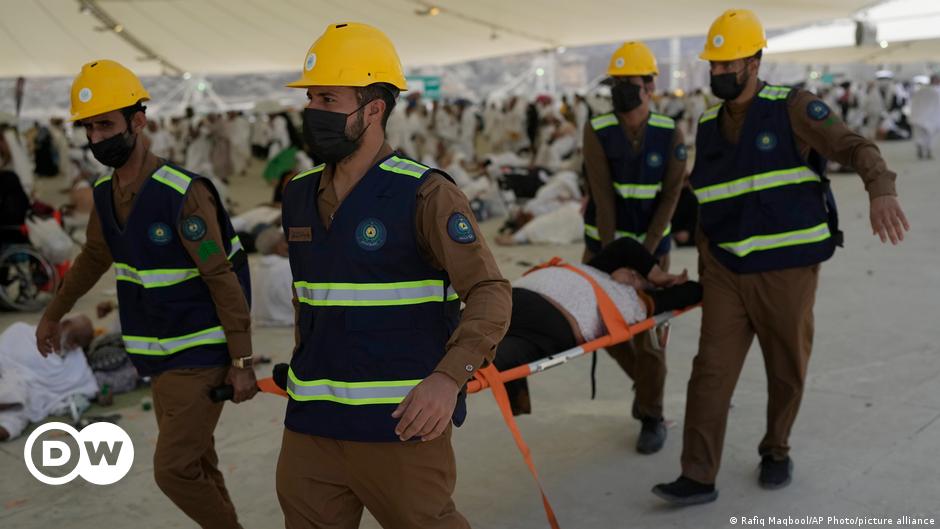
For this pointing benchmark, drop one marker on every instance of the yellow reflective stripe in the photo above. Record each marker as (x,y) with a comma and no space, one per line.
(171,177)
(372,294)
(152,346)
(638,191)
(591,231)
(661,121)
(774,93)
(753,183)
(350,393)
(160,277)
(102,180)
(759,243)
(304,174)
(236,244)
(603,121)
(710,114)
(403,166)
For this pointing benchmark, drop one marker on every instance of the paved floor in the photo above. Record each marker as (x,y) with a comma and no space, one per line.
(865,443)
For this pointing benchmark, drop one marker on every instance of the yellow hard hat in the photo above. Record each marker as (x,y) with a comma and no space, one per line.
(736,34)
(103,86)
(632,58)
(351,54)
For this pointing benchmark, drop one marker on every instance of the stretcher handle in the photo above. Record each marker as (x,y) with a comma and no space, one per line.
(275,384)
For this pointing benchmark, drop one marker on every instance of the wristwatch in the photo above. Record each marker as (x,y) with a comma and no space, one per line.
(242,362)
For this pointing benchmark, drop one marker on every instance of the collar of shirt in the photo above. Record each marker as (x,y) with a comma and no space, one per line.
(125,193)
(736,109)
(326,179)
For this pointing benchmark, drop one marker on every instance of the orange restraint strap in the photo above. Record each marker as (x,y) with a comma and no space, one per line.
(617,331)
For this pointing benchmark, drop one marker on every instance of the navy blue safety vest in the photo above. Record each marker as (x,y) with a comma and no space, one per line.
(637,178)
(374,316)
(168,319)
(762,206)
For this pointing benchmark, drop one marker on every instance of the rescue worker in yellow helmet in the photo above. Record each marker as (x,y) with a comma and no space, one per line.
(182,286)
(382,251)
(768,220)
(635,163)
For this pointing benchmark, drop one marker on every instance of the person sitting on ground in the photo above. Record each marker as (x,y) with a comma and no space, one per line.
(555,309)
(272,304)
(33,387)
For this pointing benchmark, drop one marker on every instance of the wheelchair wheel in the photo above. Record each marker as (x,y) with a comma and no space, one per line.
(27,280)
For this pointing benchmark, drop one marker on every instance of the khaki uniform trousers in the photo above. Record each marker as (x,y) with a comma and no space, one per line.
(325,483)
(775,306)
(185,465)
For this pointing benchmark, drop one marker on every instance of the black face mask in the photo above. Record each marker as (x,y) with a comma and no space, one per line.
(325,134)
(116,150)
(726,85)
(626,96)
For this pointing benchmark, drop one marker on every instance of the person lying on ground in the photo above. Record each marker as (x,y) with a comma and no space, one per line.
(33,387)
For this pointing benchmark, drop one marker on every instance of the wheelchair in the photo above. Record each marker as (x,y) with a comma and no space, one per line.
(28,280)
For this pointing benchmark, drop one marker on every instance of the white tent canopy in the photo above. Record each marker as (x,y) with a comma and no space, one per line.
(907,31)
(53,37)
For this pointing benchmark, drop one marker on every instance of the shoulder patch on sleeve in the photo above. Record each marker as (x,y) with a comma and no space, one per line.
(681,152)
(460,229)
(817,110)
(194,228)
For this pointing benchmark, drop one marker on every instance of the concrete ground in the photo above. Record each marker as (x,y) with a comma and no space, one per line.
(865,442)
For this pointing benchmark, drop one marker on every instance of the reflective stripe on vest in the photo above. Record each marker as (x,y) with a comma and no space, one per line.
(164,277)
(352,393)
(236,246)
(373,294)
(661,121)
(774,93)
(591,232)
(638,191)
(316,169)
(758,182)
(778,240)
(710,114)
(403,166)
(171,177)
(103,179)
(151,346)
(603,121)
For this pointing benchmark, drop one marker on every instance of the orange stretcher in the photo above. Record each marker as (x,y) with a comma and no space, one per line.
(489,377)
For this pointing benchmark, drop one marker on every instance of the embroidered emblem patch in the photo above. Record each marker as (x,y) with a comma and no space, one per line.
(817,110)
(194,228)
(766,141)
(682,153)
(371,234)
(160,234)
(654,159)
(460,229)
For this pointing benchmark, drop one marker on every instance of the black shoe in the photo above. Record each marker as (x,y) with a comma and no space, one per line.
(685,491)
(652,436)
(775,474)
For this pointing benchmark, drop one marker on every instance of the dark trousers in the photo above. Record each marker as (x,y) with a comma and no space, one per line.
(537,329)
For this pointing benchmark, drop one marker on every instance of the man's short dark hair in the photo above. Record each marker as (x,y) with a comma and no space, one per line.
(383,91)
(133,109)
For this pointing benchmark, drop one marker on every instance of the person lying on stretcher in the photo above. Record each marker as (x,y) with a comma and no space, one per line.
(555,309)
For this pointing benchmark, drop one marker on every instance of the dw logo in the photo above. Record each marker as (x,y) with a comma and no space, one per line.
(104,451)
